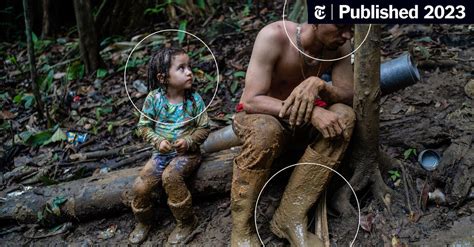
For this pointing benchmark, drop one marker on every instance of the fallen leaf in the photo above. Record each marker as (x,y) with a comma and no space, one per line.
(7,115)
(366,221)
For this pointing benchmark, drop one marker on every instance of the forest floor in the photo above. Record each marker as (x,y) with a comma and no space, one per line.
(436,113)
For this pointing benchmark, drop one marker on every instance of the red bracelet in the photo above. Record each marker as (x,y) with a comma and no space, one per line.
(320,103)
(239,107)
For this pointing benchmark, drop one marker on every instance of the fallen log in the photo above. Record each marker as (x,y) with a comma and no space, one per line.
(110,193)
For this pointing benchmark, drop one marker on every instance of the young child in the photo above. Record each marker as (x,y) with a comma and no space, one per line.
(176,139)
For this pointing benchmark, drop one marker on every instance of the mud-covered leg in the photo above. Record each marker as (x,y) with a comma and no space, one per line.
(179,197)
(263,139)
(148,181)
(307,182)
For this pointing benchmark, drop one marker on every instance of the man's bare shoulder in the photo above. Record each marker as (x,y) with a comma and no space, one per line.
(273,33)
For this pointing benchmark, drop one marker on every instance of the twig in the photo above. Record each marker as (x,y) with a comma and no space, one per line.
(13,229)
(209,18)
(105,153)
(64,62)
(405,185)
(130,160)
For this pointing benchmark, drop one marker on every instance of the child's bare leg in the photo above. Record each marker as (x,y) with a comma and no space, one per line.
(148,181)
(179,197)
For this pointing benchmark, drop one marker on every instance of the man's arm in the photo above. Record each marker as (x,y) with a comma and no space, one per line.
(266,50)
(342,88)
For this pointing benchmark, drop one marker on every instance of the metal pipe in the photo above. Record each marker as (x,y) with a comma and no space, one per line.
(398,73)
(221,139)
(395,74)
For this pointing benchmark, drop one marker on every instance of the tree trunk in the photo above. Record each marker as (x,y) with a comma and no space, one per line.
(365,148)
(31,59)
(46,29)
(87,36)
(111,193)
(109,19)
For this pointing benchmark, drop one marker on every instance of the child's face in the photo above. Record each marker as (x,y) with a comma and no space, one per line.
(180,74)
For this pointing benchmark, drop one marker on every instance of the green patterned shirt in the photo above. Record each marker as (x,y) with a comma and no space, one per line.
(171,117)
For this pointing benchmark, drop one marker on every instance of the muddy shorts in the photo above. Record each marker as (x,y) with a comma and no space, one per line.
(161,161)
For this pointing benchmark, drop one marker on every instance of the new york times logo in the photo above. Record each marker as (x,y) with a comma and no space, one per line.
(319,12)
(390,11)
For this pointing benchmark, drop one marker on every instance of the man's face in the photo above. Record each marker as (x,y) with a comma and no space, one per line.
(334,35)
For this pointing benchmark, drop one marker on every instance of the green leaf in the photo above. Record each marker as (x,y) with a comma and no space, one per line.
(4,96)
(58,135)
(110,127)
(56,204)
(201,4)
(29,99)
(75,71)
(239,74)
(5,125)
(157,9)
(46,83)
(424,51)
(40,216)
(101,73)
(17,98)
(409,152)
(246,10)
(234,86)
(182,27)
(209,86)
(39,138)
(34,38)
(100,111)
(394,175)
(25,135)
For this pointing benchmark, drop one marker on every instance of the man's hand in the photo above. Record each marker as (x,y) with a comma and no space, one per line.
(180,145)
(327,122)
(164,146)
(299,105)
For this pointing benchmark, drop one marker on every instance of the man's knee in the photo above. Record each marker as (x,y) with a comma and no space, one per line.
(261,131)
(345,112)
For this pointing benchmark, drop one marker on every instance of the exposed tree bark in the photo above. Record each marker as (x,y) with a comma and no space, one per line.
(46,29)
(31,59)
(365,149)
(88,38)
(111,193)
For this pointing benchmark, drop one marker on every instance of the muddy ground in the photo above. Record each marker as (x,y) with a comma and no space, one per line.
(432,114)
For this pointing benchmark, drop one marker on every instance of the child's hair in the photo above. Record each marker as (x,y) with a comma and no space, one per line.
(160,63)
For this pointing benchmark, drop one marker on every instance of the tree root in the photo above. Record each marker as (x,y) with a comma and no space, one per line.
(360,180)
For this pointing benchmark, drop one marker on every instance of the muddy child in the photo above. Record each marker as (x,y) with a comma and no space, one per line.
(175,122)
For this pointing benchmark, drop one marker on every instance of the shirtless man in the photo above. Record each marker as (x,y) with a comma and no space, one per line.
(281,106)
